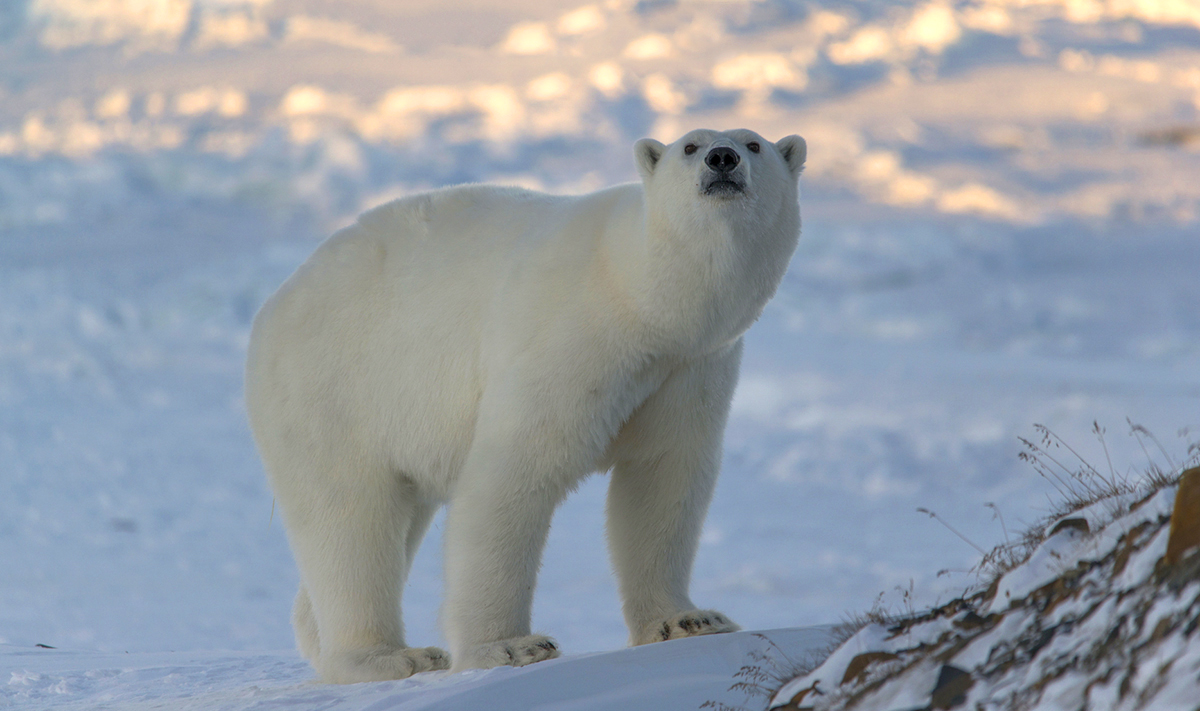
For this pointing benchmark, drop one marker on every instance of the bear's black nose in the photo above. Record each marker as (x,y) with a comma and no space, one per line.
(722,159)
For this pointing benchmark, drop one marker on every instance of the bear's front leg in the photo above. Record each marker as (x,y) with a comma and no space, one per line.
(498,520)
(666,461)
(495,532)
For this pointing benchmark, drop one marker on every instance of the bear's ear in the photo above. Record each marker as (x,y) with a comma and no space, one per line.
(646,153)
(794,150)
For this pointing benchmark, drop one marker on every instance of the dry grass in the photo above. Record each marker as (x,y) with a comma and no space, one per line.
(766,672)
(1079,485)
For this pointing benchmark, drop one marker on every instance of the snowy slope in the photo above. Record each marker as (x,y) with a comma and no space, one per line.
(679,674)
(1097,617)
(1000,229)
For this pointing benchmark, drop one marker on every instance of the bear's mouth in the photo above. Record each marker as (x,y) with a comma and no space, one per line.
(724,186)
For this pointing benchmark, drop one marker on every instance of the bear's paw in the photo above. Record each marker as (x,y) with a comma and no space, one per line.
(382,664)
(692,623)
(514,652)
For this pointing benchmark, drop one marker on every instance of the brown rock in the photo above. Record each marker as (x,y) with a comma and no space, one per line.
(794,704)
(859,664)
(1076,523)
(1185,519)
(951,688)
(972,620)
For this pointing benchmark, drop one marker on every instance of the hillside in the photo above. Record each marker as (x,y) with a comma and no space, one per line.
(1101,614)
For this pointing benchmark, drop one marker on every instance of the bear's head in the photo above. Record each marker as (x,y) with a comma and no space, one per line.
(721,170)
(722,219)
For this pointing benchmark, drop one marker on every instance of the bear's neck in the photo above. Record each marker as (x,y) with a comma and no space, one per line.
(694,283)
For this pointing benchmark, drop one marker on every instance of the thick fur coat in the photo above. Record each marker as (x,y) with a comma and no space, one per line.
(488,347)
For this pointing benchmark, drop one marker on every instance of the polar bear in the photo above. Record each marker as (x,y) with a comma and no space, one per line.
(486,348)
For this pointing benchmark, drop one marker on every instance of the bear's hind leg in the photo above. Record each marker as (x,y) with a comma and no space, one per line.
(305,626)
(351,541)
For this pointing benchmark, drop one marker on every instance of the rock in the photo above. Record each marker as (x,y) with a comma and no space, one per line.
(951,688)
(859,664)
(972,620)
(1076,523)
(1185,519)
(794,704)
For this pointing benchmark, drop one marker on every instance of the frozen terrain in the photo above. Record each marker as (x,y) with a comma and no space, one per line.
(679,674)
(1001,219)
(1103,614)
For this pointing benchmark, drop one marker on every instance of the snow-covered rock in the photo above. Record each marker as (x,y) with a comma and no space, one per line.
(1095,621)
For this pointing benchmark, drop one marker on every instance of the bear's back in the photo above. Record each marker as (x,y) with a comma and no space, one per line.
(462,221)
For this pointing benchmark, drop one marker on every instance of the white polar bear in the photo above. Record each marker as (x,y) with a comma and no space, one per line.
(488,347)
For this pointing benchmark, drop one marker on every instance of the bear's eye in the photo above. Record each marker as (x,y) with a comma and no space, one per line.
(754,147)
(690,148)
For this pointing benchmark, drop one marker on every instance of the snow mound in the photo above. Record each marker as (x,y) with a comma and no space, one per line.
(681,674)
(1095,619)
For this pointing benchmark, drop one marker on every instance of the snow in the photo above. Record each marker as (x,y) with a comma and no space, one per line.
(977,652)
(678,674)
(1110,520)
(1000,213)
(1050,560)
(871,638)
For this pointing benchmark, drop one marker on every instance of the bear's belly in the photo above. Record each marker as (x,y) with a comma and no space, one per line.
(429,428)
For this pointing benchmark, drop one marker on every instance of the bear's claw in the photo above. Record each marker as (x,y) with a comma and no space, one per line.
(382,664)
(515,652)
(692,623)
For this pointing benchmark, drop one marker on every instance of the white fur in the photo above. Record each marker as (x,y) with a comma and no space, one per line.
(488,347)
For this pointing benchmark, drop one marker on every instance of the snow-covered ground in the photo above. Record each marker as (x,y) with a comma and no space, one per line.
(1001,219)
(682,674)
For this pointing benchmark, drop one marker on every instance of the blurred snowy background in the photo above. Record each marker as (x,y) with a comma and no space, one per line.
(1002,227)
